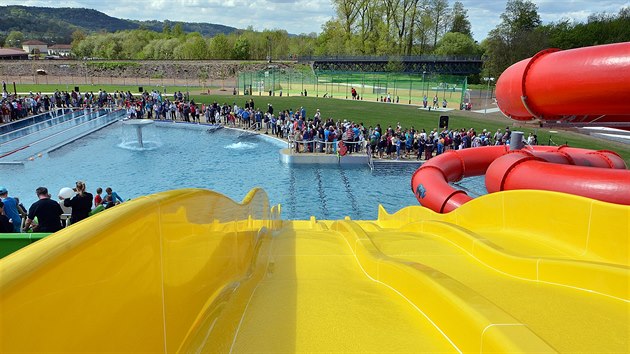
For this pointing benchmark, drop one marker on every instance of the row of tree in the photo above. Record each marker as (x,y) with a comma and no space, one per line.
(521,34)
(174,43)
(412,27)
(396,27)
(361,27)
(368,27)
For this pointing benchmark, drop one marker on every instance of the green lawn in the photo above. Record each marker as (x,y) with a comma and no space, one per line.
(370,113)
(370,86)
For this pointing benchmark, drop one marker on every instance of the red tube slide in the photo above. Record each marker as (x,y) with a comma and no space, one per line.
(430,182)
(583,85)
(522,170)
(509,170)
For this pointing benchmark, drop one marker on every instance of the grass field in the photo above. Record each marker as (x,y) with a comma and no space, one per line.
(372,113)
(408,88)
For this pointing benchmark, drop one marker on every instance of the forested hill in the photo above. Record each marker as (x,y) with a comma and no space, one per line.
(206,29)
(55,25)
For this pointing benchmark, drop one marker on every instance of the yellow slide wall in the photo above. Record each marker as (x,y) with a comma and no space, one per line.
(154,262)
(586,241)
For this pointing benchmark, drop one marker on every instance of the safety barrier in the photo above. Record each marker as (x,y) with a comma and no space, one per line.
(325,147)
(12,242)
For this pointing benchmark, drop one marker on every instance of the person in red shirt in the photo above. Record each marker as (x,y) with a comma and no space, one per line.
(98,200)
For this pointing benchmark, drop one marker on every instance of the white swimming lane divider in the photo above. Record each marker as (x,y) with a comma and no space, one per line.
(97,114)
(106,124)
(53,116)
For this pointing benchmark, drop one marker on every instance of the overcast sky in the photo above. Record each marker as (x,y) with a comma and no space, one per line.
(305,16)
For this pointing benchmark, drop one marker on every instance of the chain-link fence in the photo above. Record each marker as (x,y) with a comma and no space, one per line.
(396,87)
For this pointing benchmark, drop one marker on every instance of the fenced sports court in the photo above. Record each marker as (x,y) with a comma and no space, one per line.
(399,87)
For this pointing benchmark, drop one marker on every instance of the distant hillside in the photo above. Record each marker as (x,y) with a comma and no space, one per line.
(55,25)
(206,29)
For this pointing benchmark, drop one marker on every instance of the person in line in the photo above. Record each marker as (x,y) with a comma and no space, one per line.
(11,209)
(6,225)
(47,211)
(81,203)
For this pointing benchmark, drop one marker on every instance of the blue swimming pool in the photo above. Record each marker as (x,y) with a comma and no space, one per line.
(228,161)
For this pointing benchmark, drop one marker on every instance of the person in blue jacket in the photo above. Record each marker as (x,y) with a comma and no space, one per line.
(112,198)
(11,209)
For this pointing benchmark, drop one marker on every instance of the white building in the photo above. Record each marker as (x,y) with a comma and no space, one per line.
(60,50)
(35,47)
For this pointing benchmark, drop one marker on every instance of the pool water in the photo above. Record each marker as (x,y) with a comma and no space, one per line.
(228,161)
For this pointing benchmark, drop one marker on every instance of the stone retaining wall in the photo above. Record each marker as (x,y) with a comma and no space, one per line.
(155,70)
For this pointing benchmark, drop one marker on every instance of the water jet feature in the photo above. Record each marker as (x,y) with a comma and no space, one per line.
(136,140)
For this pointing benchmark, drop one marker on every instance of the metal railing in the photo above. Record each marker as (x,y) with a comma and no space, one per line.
(368,151)
(324,147)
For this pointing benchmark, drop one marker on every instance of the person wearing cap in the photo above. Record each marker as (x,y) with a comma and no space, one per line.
(11,209)
(47,211)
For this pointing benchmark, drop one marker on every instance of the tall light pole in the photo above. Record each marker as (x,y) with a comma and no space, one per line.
(488,79)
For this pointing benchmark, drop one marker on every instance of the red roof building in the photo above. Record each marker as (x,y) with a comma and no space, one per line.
(12,54)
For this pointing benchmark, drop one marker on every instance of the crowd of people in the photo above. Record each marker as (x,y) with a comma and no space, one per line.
(396,142)
(316,134)
(48,215)
(14,107)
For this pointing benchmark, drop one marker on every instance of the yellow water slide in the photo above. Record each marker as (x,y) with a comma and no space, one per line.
(193,271)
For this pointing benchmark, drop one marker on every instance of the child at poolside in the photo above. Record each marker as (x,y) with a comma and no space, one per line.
(98,200)
(111,198)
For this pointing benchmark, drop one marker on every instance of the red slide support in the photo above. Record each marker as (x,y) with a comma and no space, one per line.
(600,174)
(583,85)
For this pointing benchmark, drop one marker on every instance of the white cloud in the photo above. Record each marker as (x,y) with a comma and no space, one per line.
(306,16)
(485,15)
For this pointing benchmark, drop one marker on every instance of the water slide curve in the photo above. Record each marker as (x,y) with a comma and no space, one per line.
(582,86)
